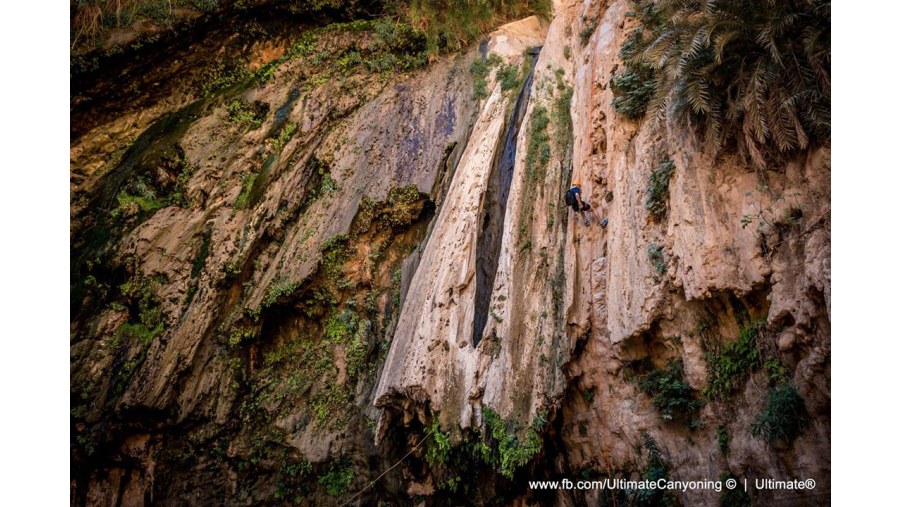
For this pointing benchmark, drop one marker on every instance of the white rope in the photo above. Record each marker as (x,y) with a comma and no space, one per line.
(354,497)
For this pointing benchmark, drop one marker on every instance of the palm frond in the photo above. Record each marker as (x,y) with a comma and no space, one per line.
(755,74)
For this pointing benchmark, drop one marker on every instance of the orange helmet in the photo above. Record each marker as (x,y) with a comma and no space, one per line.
(576,183)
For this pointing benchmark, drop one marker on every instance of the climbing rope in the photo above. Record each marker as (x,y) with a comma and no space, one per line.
(372,483)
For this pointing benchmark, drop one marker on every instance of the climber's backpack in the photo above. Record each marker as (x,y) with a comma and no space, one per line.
(570,197)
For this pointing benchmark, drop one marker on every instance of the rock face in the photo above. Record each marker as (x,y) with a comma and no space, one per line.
(730,243)
(279,280)
(433,356)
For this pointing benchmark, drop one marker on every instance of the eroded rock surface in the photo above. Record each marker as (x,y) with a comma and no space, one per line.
(274,283)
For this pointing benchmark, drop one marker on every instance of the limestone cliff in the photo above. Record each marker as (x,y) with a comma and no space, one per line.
(302,256)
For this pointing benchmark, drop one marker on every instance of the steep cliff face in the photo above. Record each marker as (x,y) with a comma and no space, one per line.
(735,245)
(435,356)
(242,260)
(312,256)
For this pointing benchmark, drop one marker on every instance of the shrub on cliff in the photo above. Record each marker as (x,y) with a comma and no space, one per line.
(634,86)
(784,415)
(730,365)
(673,398)
(658,188)
(450,25)
(511,453)
(338,479)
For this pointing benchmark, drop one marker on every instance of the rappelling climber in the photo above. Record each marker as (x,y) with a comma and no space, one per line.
(573,199)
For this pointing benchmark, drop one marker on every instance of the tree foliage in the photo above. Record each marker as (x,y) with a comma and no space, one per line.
(450,25)
(750,73)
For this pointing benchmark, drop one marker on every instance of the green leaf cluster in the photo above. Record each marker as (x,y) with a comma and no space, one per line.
(658,188)
(633,86)
(246,114)
(784,416)
(744,72)
(673,398)
(510,453)
(149,322)
(338,479)
(655,254)
(729,365)
(481,70)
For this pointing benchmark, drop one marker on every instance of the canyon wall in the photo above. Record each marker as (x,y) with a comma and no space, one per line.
(289,279)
